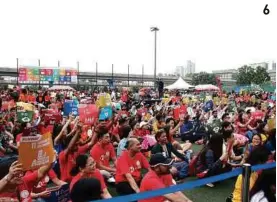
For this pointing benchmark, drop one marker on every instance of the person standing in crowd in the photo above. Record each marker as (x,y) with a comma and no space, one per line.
(129,167)
(86,168)
(159,177)
(167,149)
(102,152)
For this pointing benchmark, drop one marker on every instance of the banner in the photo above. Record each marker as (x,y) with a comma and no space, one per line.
(88,113)
(106,113)
(59,194)
(50,74)
(36,151)
(71,106)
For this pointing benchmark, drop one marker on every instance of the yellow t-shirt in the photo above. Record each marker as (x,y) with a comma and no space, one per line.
(237,194)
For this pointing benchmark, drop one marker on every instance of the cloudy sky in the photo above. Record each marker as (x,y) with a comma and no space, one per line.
(213,34)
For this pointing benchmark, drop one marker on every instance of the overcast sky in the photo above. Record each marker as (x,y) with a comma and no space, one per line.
(213,34)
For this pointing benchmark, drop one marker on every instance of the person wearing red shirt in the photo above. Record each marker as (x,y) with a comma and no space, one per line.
(128,168)
(68,156)
(102,152)
(19,186)
(159,177)
(40,189)
(86,168)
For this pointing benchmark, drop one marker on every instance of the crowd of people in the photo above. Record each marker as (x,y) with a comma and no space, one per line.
(146,144)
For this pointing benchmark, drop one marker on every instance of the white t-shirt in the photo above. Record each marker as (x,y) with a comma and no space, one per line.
(259,197)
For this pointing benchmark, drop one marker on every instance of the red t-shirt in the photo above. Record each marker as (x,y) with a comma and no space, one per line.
(42,184)
(96,174)
(152,181)
(103,155)
(143,132)
(23,190)
(132,165)
(68,162)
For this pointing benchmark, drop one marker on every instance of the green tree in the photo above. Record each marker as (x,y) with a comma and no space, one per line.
(248,75)
(261,76)
(203,78)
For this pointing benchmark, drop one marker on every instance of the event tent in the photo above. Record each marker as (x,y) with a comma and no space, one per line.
(206,87)
(180,84)
(62,88)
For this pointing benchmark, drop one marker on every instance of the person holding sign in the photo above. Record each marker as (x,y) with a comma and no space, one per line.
(19,186)
(67,157)
(86,168)
(40,191)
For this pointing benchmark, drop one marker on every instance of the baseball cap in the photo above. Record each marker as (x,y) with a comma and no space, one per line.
(160,159)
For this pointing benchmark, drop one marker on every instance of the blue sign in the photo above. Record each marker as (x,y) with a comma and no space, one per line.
(60,195)
(106,113)
(70,106)
(208,106)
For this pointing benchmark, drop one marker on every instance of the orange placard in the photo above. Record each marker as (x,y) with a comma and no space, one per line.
(36,151)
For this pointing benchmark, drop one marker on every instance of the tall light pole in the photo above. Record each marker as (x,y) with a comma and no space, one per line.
(155,29)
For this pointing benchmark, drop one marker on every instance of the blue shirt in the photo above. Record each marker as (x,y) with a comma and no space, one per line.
(121,146)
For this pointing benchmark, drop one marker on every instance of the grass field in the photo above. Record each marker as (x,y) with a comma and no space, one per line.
(204,194)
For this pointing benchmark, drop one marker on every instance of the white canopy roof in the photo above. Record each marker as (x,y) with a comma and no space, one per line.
(180,84)
(206,87)
(61,88)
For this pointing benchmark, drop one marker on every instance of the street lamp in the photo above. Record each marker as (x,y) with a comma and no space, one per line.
(155,29)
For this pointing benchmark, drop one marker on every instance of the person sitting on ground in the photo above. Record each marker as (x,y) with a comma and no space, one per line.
(129,167)
(102,152)
(125,134)
(210,160)
(86,168)
(82,190)
(19,186)
(67,157)
(180,167)
(159,177)
(257,156)
(264,189)
(39,191)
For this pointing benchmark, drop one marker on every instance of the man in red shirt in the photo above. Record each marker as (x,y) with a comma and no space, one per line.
(159,177)
(128,168)
(68,156)
(102,152)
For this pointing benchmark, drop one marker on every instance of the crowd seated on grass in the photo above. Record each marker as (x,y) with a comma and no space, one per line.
(134,143)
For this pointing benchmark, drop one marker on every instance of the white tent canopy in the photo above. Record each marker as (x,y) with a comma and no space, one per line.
(61,88)
(206,87)
(180,84)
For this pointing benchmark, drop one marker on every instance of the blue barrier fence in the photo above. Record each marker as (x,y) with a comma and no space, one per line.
(187,185)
